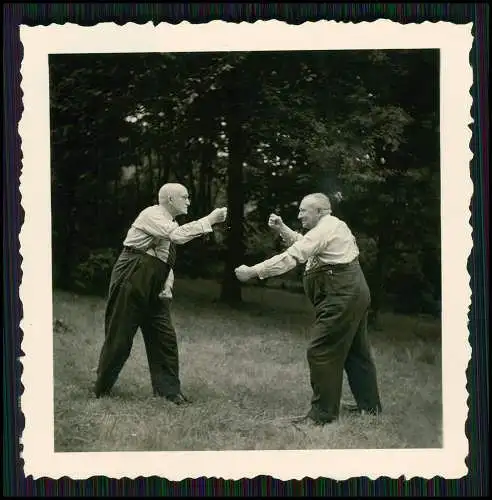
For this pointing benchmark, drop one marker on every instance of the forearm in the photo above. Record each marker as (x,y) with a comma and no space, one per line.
(299,252)
(289,235)
(189,231)
(275,266)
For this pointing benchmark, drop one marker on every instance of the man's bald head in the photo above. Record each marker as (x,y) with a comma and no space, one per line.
(312,208)
(170,189)
(174,198)
(319,201)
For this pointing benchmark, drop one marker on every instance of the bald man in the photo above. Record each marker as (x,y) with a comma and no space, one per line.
(337,289)
(140,289)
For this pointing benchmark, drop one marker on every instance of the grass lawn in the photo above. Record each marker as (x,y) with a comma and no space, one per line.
(246,371)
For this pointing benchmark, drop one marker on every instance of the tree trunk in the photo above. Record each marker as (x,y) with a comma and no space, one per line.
(231,287)
(151,178)
(180,158)
(377,285)
(165,170)
(194,208)
(64,238)
(137,185)
(205,180)
(202,181)
(208,194)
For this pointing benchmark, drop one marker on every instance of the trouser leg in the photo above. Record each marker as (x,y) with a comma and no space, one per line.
(326,356)
(361,371)
(121,323)
(338,314)
(162,350)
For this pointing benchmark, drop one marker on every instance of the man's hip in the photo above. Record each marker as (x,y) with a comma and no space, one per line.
(337,284)
(144,274)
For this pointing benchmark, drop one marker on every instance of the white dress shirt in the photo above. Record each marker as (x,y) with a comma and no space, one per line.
(329,242)
(153,231)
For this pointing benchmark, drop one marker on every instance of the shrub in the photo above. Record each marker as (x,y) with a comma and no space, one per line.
(368,249)
(413,293)
(92,275)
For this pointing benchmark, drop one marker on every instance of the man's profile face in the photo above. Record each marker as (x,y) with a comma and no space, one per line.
(308,214)
(181,201)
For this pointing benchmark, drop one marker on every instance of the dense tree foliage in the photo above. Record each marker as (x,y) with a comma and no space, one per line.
(256,131)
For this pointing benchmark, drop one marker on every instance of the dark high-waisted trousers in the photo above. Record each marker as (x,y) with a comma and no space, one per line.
(341,298)
(133,302)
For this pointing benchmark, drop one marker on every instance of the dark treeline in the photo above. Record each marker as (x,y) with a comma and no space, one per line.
(256,131)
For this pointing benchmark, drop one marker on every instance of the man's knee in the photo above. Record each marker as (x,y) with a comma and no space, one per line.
(317,351)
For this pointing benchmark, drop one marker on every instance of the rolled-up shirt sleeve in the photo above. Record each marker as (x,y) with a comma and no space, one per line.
(298,253)
(275,266)
(289,236)
(307,246)
(159,226)
(191,230)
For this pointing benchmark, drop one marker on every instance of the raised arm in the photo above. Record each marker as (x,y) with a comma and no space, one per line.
(191,230)
(158,226)
(288,235)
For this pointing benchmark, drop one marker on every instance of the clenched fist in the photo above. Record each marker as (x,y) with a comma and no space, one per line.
(275,222)
(244,273)
(217,215)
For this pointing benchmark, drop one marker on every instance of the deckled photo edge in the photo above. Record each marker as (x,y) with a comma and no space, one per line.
(29,192)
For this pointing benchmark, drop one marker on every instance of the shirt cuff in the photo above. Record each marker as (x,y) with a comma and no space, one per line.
(259,269)
(206,227)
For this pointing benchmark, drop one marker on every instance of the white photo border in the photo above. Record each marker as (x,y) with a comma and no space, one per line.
(456,79)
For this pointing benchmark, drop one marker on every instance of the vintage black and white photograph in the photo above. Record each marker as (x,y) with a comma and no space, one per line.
(246,249)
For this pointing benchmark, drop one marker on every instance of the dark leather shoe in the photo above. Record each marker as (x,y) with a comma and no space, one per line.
(300,420)
(309,419)
(353,408)
(100,393)
(178,399)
